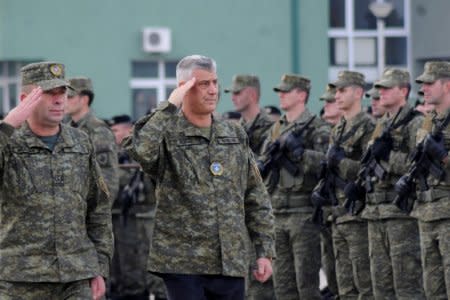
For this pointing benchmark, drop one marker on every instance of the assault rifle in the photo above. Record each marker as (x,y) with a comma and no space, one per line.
(355,192)
(275,156)
(325,192)
(422,165)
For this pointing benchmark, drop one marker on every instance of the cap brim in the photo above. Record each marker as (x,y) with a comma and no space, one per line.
(232,90)
(384,84)
(47,85)
(425,78)
(338,84)
(282,88)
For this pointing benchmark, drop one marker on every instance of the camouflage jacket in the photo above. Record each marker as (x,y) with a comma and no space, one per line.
(144,203)
(105,149)
(434,204)
(354,134)
(201,218)
(292,193)
(379,203)
(257,131)
(55,215)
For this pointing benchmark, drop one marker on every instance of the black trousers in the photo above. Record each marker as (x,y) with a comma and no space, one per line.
(203,287)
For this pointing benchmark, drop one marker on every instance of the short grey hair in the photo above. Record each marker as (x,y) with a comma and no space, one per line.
(186,65)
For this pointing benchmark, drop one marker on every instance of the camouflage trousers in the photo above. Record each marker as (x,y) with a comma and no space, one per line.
(328,260)
(129,274)
(351,250)
(296,268)
(77,290)
(435,250)
(256,290)
(394,251)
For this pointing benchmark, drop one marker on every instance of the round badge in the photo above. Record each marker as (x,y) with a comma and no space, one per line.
(56,70)
(216,169)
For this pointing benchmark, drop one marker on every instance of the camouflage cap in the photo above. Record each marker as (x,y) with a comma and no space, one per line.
(291,81)
(393,77)
(241,81)
(373,93)
(80,84)
(433,71)
(329,95)
(347,78)
(47,74)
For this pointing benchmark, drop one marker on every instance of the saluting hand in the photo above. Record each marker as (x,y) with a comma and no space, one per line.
(23,110)
(177,95)
(264,270)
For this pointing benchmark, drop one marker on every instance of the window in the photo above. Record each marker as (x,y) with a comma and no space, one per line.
(151,83)
(359,41)
(9,84)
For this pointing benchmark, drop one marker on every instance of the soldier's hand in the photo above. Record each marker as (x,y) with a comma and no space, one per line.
(23,110)
(334,156)
(177,95)
(382,147)
(435,148)
(98,287)
(294,146)
(264,270)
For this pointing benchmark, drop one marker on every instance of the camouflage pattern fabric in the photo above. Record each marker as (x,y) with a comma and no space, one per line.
(350,244)
(48,75)
(395,259)
(77,290)
(105,149)
(208,190)
(350,232)
(132,238)
(328,260)
(55,211)
(390,227)
(296,269)
(241,81)
(433,211)
(257,131)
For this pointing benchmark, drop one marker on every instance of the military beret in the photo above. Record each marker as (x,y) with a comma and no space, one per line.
(292,81)
(393,77)
(241,81)
(347,78)
(433,71)
(120,119)
(48,75)
(271,110)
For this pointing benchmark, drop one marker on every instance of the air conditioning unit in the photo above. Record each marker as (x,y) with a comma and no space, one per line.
(156,39)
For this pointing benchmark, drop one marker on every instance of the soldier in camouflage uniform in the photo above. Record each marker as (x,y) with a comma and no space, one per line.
(78,107)
(245,92)
(393,235)
(296,269)
(55,215)
(332,116)
(433,206)
(348,141)
(376,109)
(208,191)
(133,217)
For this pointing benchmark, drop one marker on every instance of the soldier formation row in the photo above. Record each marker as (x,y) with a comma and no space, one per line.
(380,237)
(352,186)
